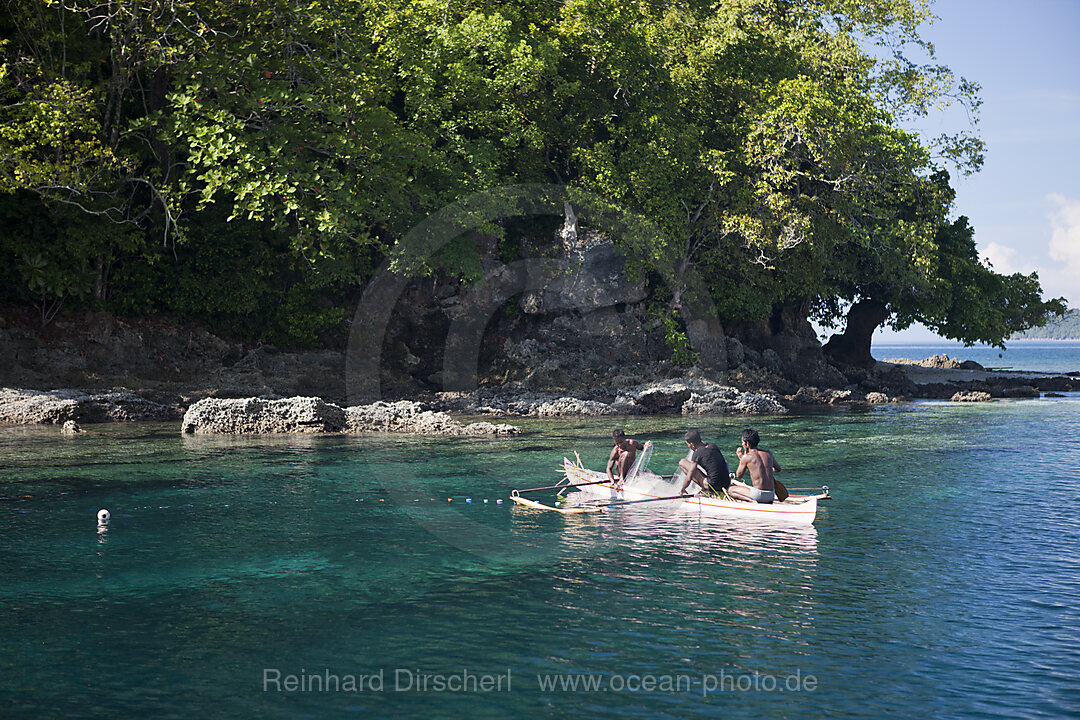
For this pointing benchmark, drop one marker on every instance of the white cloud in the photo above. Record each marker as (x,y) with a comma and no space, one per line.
(1065,237)
(1062,277)
(1053,251)
(1001,257)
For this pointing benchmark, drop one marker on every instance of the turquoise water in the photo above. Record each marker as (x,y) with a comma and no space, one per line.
(942,580)
(1030,355)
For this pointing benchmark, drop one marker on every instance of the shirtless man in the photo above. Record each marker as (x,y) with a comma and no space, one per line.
(761,465)
(622,456)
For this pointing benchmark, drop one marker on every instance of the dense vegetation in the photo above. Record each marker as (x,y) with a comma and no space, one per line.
(250,163)
(1064,328)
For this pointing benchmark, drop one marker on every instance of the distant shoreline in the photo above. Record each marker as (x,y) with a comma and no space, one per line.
(961,346)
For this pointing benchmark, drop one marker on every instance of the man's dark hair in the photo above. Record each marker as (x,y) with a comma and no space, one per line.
(617,433)
(693,437)
(751,437)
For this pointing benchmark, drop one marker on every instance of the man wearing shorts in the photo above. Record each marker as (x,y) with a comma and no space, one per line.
(761,465)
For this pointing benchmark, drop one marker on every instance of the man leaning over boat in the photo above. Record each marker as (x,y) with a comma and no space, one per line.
(706,466)
(622,457)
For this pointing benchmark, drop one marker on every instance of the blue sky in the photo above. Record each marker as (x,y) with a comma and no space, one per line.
(1025,202)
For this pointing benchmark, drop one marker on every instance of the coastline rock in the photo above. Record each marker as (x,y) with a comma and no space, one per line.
(220,416)
(31,407)
(407,416)
(591,277)
(223,416)
(817,396)
(1023,391)
(741,404)
(1060,383)
(682,395)
(571,406)
(970,365)
(939,362)
(753,404)
(971,396)
(70,428)
(665,398)
(625,405)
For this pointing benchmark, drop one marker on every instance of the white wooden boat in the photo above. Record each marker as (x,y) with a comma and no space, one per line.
(796,509)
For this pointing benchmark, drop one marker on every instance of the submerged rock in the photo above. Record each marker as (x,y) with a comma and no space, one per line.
(70,428)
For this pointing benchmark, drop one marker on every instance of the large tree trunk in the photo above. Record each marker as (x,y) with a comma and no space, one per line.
(852,347)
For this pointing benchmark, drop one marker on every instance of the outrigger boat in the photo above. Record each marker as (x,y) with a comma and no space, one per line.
(599,494)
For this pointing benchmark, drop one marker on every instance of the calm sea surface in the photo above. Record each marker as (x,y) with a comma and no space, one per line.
(942,581)
(1032,355)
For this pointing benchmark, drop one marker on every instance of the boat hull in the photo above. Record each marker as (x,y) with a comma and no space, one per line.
(798,510)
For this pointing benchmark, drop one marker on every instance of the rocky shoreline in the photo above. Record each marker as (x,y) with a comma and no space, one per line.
(546,361)
(689,395)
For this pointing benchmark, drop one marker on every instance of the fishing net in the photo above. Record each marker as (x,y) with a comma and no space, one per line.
(641,464)
(641,480)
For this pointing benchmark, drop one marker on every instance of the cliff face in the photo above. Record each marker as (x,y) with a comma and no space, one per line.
(569,325)
(166,360)
(571,321)
(560,323)
(574,322)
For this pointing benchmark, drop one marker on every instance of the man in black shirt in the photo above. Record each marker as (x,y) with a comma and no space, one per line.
(706,466)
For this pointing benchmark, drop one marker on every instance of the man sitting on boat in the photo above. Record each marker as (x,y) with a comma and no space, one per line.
(705,467)
(622,456)
(761,465)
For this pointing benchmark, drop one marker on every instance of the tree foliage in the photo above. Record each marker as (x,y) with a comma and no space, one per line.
(255,160)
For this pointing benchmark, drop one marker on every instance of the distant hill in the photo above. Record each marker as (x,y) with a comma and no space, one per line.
(1066,328)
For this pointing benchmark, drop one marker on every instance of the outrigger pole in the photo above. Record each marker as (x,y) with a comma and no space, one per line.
(557,486)
(593,507)
(635,502)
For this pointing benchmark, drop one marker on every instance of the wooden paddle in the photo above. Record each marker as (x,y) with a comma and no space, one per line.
(779,490)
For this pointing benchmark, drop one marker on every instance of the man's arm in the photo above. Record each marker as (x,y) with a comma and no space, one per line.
(744,462)
(690,468)
(636,445)
(611,463)
(772,459)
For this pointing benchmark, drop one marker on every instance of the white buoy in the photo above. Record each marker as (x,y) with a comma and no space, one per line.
(103,516)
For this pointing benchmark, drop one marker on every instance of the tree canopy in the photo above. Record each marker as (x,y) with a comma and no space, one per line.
(255,160)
